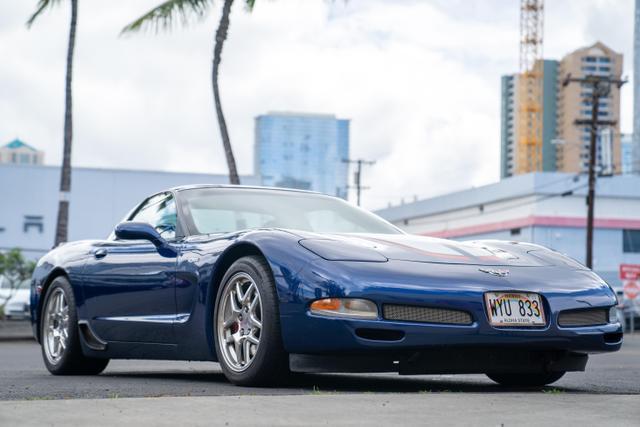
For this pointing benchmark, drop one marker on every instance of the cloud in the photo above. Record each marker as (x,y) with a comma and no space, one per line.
(420,81)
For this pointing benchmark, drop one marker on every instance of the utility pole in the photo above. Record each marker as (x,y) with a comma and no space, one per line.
(600,87)
(358,174)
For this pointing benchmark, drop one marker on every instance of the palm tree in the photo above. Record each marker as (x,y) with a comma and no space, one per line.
(163,17)
(62,225)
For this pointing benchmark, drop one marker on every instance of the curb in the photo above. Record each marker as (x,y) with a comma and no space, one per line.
(15,330)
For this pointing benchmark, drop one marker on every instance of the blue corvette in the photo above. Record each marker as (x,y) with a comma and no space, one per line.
(269,282)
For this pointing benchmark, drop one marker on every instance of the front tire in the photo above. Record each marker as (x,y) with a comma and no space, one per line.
(526,380)
(59,334)
(246,325)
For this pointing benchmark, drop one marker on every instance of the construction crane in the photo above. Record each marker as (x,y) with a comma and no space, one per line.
(529,146)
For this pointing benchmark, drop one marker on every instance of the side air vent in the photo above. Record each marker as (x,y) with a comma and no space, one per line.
(90,338)
(410,313)
(379,334)
(585,317)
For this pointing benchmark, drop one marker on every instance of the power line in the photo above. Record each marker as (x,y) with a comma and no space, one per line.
(600,87)
(358,175)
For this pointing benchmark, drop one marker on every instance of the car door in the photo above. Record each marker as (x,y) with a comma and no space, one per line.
(129,287)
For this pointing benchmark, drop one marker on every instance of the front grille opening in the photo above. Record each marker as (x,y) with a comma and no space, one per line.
(613,337)
(584,317)
(379,334)
(410,313)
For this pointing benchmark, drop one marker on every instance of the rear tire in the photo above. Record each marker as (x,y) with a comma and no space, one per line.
(526,380)
(246,325)
(59,334)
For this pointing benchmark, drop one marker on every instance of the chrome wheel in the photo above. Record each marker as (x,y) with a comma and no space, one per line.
(239,322)
(56,326)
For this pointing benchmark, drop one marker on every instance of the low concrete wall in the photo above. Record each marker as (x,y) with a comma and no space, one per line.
(15,330)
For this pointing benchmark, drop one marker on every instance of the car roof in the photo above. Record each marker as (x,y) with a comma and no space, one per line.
(243,187)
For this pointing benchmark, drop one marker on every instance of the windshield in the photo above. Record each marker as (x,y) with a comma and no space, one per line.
(222,210)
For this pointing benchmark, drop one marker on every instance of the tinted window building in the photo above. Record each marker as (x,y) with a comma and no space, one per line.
(511,128)
(303,151)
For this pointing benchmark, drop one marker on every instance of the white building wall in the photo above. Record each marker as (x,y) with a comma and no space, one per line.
(99,199)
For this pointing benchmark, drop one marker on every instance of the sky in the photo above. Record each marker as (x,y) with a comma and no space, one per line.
(419,79)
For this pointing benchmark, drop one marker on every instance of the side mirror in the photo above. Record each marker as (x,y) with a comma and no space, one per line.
(130,230)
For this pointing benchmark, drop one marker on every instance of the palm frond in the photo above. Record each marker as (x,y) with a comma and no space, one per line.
(41,7)
(164,15)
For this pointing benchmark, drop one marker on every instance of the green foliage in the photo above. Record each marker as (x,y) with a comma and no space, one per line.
(163,16)
(552,391)
(41,7)
(15,268)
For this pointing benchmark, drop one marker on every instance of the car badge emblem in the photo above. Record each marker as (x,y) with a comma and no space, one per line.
(497,273)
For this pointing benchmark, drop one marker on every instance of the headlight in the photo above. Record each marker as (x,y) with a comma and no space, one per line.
(345,307)
(613,314)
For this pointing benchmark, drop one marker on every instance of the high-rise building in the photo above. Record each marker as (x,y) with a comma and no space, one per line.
(636,85)
(18,153)
(629,151)
(574,103)
(565,146)
(510,126)
(304,151)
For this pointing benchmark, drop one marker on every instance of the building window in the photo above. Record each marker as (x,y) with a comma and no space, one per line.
(631,241)
(515,231)
(33,221)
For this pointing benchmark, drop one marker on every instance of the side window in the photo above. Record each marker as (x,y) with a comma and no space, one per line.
(160,212)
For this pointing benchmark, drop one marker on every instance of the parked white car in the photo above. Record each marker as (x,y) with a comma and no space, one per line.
(17,301)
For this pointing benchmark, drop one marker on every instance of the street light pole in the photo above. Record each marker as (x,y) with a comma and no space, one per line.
(600,87)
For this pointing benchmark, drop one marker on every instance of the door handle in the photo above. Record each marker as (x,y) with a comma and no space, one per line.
(100,253)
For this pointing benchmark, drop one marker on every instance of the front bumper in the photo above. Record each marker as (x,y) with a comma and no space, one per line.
(326,335)
(445,360)
(455,287)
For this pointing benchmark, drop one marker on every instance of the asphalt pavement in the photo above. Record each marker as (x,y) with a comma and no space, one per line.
(607,393)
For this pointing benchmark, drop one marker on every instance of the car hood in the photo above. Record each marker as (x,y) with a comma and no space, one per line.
(405,247)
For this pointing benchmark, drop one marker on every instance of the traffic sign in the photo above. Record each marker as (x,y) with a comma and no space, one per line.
(631,289)
(630,272)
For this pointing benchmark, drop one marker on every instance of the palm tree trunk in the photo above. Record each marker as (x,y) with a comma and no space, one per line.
(221,36)
(62,225)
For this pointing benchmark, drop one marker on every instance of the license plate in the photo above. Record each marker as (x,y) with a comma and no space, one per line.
(514,309)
